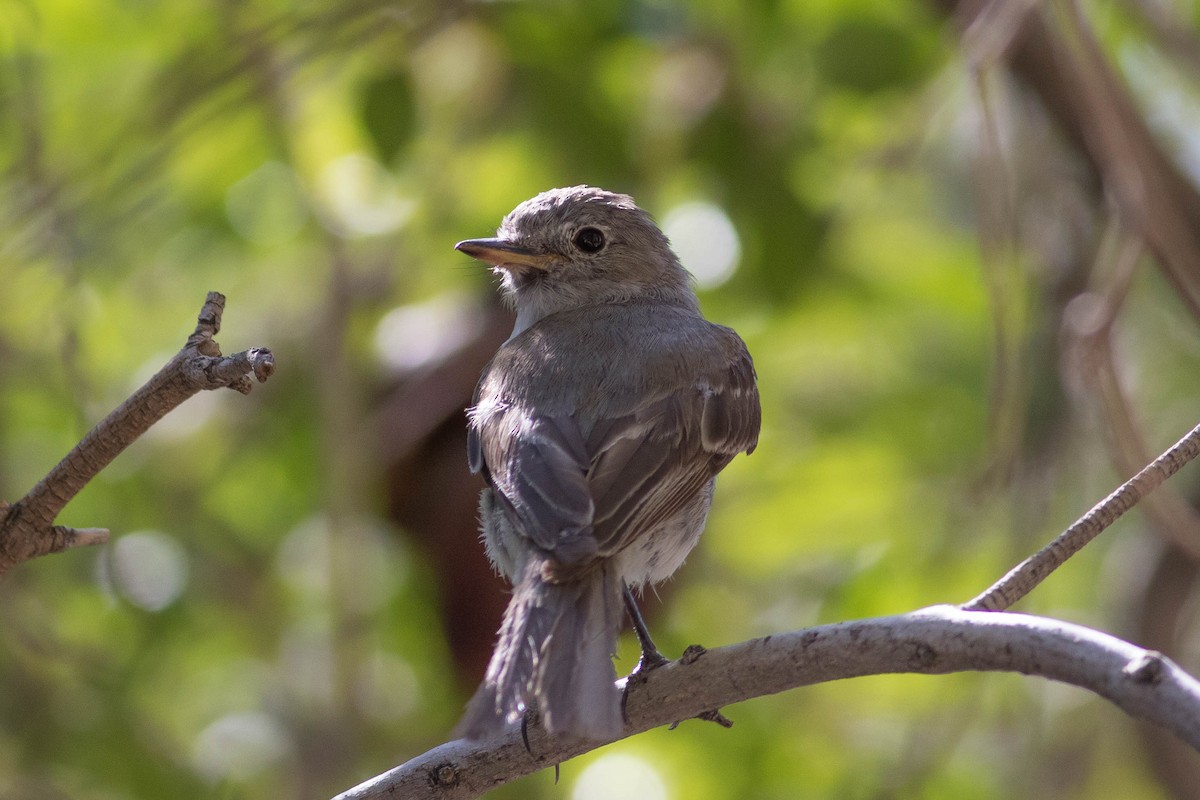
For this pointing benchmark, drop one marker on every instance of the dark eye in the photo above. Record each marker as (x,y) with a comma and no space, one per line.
(589,240)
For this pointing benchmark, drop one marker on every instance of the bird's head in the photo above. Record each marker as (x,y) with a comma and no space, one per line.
(578,246)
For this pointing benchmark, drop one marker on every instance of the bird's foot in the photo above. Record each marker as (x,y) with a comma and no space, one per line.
(649,661)
(652,658)
(708,716)
(529,717)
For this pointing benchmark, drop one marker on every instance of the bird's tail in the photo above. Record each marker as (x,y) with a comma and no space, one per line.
(555,650)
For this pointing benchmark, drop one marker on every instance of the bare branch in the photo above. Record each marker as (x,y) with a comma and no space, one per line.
(936,640)
(27,528)
(1022,578)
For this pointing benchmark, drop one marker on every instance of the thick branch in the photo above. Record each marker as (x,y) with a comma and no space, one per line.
(1033,570)
(27,528)
(936,640)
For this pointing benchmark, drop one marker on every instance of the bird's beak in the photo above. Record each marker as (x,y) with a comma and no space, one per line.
(503,253)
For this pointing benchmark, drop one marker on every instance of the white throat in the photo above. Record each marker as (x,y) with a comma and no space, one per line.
(536,302)
(527,316)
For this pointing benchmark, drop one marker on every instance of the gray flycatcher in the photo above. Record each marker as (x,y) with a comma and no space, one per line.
(599,427)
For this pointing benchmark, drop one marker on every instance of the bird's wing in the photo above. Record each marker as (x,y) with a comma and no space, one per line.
(578,497)
(537,466)
(648,465)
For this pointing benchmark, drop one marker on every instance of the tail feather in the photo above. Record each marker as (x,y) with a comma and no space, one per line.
(555,650)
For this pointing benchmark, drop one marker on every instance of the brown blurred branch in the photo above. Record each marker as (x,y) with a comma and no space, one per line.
(27,528)
(1172,34)
(1064,66)
(937,640)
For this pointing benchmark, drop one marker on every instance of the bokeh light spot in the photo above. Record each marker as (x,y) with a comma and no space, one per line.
(362,197)
(238,746)
(147,568)
(705,240)
(414,335)
(619,777)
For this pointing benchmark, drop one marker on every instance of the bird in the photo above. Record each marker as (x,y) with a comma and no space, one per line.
(599,427)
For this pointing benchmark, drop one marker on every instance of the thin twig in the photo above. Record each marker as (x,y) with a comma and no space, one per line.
(1022,578)
(27,528)
(935,640)
(1088,326)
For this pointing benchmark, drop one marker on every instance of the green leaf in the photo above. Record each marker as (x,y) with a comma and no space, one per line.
(389,114)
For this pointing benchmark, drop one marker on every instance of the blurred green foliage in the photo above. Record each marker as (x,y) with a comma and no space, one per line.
(257,630)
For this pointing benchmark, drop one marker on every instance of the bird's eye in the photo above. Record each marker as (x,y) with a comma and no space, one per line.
(589,240)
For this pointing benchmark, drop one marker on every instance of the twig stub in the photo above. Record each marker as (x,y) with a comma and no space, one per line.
(27,527)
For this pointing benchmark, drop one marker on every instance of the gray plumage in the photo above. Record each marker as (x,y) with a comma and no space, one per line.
(599,427)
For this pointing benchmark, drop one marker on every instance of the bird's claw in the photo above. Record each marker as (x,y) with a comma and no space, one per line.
(714,715)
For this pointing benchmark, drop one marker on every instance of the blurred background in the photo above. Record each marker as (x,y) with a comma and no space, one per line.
(960,239)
